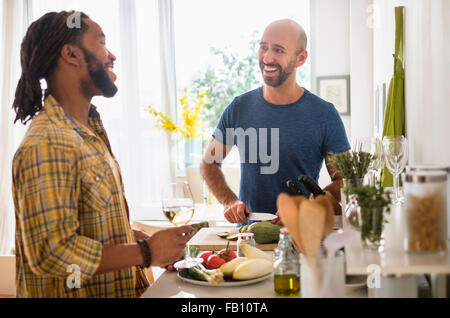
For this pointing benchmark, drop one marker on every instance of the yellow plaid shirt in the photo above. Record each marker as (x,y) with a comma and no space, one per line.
(68,203)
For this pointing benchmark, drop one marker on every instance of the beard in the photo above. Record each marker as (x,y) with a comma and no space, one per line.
(283,73)
(98,74)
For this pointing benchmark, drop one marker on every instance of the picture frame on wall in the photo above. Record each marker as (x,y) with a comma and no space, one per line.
(336,90)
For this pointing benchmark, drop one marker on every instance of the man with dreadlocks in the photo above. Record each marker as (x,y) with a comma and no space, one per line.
(73,236)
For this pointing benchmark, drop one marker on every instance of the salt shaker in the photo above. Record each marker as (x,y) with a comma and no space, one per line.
(244,238)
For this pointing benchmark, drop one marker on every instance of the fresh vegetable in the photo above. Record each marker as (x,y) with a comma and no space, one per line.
(232,237)
(265,232)
(252,268)
(243,228)
(223,234)
(205,255)
(254,252)
(230,266)
(227,254)
(214,261)
(199,272)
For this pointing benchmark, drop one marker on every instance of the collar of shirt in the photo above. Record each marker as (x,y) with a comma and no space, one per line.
(58,115)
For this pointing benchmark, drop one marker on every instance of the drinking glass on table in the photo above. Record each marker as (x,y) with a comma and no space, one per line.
(396,156)
(374,146)
(178,203)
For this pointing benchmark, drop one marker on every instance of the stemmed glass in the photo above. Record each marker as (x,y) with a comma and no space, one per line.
(396,157)
(178,203)
(374,146)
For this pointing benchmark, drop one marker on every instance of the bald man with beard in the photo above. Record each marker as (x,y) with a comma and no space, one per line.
(297,129)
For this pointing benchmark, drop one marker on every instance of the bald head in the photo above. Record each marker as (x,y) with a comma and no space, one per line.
(291,30)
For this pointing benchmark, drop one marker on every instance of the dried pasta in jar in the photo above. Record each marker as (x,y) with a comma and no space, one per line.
(426,211)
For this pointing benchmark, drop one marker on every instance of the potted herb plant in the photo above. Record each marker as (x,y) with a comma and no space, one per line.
(374,205)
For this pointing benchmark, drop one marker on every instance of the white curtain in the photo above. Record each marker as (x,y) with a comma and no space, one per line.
(168,73)
(427,78)
(14,19)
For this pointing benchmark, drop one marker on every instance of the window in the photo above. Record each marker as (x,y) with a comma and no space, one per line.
(213,41)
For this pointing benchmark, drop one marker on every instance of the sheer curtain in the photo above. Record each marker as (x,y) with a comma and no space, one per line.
(136,32)
(14,19)
(427,77)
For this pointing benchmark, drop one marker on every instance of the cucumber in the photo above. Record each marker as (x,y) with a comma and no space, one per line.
(265,232)
(232,237)
(223,234)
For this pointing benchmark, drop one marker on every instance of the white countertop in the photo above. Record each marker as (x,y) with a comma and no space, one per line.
(169,285)
(394,260)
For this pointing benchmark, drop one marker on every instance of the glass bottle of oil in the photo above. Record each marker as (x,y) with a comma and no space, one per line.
(286,268)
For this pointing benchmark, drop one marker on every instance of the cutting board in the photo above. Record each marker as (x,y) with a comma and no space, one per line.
(207,240)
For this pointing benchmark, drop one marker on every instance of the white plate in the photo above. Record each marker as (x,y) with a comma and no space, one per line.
(234,283)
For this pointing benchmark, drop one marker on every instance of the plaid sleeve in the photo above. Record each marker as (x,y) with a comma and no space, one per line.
(47,192)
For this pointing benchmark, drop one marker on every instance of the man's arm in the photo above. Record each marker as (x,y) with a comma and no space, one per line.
(211,170)
(333,190)
(166,246)
(336,180)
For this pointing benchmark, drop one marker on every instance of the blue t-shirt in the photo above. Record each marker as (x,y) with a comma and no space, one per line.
(278,143)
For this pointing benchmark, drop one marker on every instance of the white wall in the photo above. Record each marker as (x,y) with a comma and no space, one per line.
(361,69)
(330,41)
(329,48)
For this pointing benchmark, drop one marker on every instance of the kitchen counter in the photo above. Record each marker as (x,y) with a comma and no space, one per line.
(169,285)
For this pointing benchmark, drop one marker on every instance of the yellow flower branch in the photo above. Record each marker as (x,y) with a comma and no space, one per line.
(190,115)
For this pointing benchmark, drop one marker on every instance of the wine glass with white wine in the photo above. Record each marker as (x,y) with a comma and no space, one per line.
(178,203)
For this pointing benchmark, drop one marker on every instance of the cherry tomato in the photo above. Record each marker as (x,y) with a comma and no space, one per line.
(214,261)
(227,254)
(205,255)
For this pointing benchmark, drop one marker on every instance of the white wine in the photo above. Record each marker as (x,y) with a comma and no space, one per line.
(179,215)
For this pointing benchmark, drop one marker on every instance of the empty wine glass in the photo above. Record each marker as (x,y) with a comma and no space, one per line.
(374,146)
(396,156)
(177,203)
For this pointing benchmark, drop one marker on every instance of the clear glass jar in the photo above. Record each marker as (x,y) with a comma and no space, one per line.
(440,168)
(426,211)
(244,238)
(286,268)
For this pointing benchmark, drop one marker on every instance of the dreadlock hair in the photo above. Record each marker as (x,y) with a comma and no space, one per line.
(39,54)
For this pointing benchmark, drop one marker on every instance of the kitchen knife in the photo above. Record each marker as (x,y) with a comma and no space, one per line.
(258,216)
(294,188)
(311,185)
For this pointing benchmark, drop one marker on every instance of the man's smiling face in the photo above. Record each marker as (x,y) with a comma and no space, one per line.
(100,78)
(278,53)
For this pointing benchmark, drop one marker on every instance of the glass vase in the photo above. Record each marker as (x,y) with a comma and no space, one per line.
(192,150)
(372,223)
(351,211)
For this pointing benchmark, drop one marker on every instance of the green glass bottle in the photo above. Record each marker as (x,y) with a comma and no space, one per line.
(286,268)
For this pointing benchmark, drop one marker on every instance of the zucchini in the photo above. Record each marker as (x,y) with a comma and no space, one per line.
(223,234)
(232,237)
(265,232)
